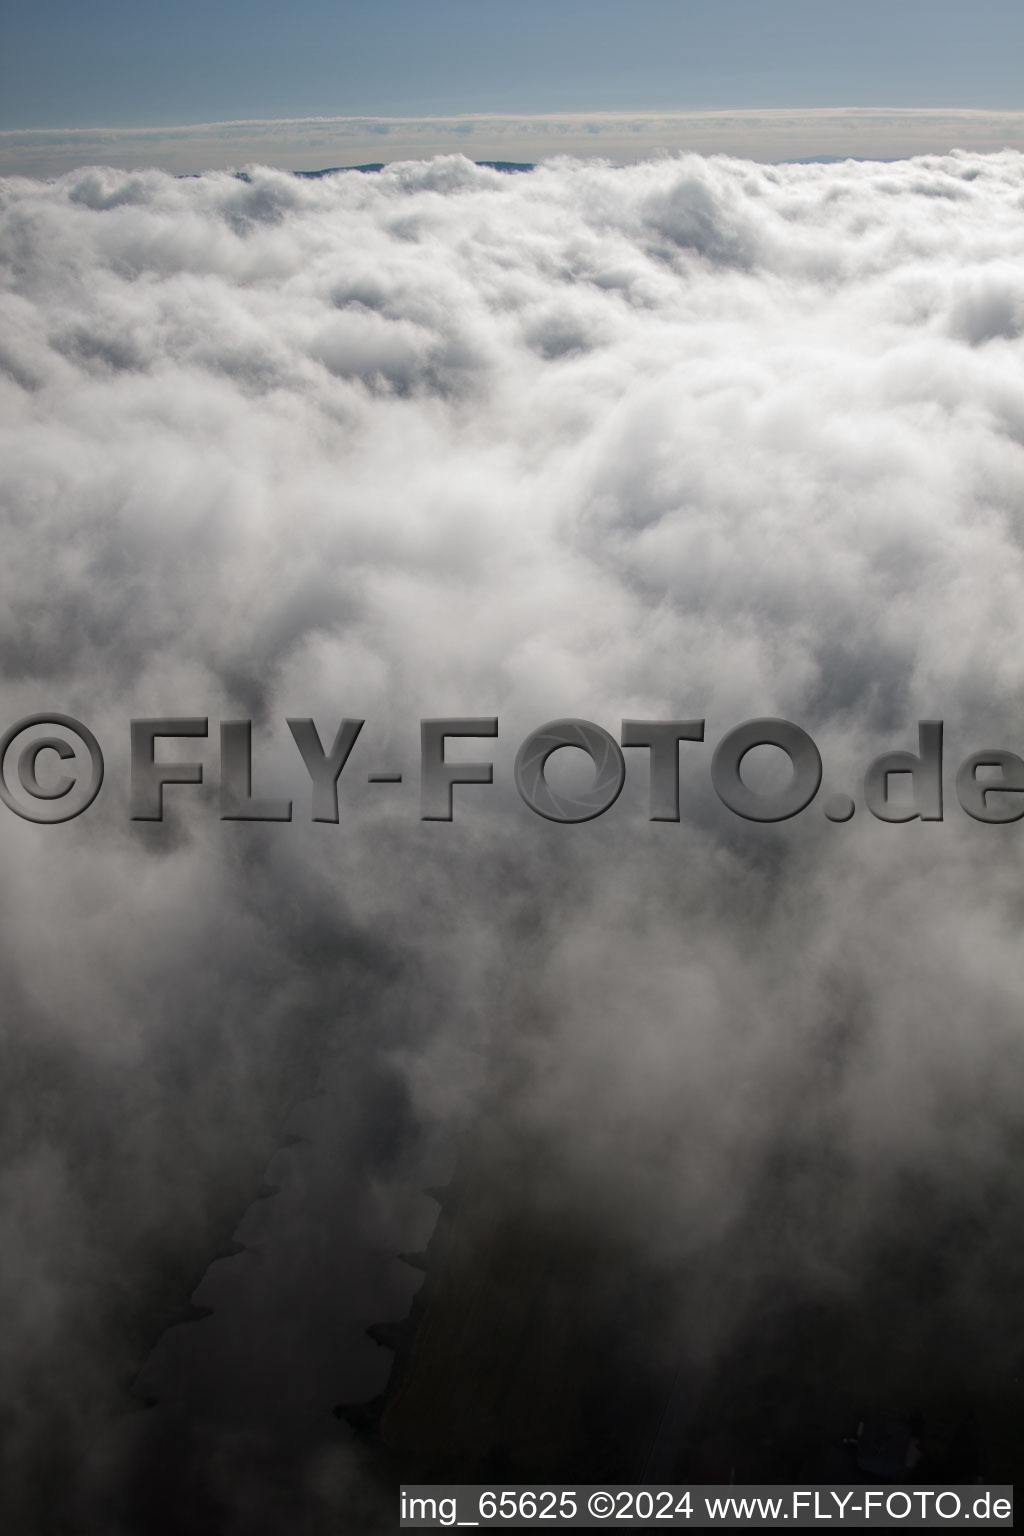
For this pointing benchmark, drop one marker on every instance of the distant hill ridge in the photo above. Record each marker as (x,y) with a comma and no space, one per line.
(492,165)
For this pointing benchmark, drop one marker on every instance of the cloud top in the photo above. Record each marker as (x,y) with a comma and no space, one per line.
(694,437)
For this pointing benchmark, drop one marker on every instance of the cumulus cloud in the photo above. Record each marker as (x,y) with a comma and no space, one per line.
(696,438)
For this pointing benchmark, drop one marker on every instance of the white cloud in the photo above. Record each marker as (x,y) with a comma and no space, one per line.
(695,437)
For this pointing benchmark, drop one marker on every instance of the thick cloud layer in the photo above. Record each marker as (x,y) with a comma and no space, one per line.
(696,439)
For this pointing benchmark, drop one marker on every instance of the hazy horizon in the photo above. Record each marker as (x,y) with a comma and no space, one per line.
(313,144)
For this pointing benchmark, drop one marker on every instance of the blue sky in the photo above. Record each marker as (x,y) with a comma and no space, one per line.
(87,63)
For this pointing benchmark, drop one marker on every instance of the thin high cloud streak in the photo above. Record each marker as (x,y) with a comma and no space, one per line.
(875,133)
(690,438)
